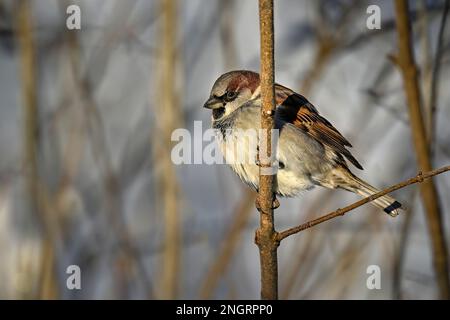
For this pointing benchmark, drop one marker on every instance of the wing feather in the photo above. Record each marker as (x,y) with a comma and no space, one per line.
(296,109)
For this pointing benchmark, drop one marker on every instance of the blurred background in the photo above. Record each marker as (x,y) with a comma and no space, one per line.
(86,178)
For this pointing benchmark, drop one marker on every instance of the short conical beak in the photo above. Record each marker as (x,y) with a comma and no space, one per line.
(213,103)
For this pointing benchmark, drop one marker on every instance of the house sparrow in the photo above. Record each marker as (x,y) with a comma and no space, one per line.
(310,152)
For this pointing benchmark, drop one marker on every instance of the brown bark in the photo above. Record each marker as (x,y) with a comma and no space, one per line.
(430,198)
(266,236)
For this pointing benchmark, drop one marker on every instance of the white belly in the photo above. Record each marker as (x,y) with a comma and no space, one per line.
(239,152)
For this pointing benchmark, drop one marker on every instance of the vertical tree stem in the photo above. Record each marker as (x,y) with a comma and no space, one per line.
(266,236)
(405,61)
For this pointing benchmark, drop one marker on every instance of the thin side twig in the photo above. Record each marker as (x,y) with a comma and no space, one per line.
(340,212)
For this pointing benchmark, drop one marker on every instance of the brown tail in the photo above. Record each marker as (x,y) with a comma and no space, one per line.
(354,184)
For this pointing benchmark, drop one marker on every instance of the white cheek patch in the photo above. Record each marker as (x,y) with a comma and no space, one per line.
(228,110)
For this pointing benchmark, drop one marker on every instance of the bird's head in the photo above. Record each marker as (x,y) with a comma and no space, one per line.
(230,91)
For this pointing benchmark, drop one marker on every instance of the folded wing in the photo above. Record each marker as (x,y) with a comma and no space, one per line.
(296,109)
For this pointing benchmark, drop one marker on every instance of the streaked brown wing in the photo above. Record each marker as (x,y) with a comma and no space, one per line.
(296,109)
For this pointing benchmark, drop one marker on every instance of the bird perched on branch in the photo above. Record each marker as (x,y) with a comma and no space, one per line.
(310,151)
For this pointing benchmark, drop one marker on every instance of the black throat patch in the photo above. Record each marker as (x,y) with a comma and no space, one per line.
(223,125)
(217,113)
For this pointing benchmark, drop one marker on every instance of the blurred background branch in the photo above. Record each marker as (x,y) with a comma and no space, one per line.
(167,109)
(431,202)
(47,285)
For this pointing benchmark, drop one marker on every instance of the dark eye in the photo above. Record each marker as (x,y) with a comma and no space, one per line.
(230,96)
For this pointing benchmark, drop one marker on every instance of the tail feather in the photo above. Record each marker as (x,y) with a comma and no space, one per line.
(354,184)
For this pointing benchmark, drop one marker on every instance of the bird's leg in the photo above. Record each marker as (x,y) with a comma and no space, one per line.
(257,205)
(275,203)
